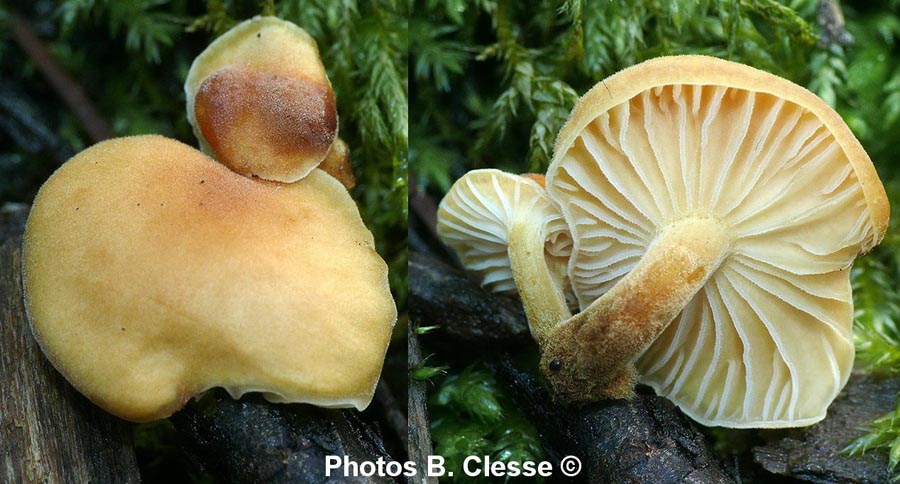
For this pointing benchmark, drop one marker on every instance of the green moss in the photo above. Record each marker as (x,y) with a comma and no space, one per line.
(472,416)
(506,74)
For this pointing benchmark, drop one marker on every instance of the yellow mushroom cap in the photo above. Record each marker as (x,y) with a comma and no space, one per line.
(260,102)
(767,341)
(477,216)
(153,273)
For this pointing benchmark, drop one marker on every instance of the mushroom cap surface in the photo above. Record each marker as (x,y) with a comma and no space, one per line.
(260,102)
(477,214)
(153,273)
(767,342)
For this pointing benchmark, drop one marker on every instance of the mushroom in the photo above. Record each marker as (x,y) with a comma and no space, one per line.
(505,228)
(715,212)
(153,273)
(337,164)
(260,102)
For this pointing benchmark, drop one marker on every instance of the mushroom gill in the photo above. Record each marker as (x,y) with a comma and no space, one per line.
(505,228)
(762,337)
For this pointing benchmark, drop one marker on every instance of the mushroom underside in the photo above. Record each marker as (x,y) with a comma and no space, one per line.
(767,341)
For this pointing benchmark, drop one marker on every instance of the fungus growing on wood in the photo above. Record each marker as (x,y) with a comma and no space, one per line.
(730,203)
(505,228)
(153,273)
(260,102)
(715,211)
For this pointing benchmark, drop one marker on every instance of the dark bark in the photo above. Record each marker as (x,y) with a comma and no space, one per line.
(443,296)
(423,235)
(27,126)
(832,28)
(815,453)
(251,440)
(419,433)
(48,431)
(423,207)
(630,441)
(12,219)
(391,412)
(646,439)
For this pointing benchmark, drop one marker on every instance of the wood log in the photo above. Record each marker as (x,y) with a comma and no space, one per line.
(629,441)
(647,439)
(70,91)
(26,125)
(815,453)
(48,431)
(51,433)
(419,430)
(12,219)
(251,440)
(391,413)
(443,296)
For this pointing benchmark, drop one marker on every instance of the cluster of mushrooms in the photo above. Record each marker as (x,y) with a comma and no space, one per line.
(154,272)
(699,218)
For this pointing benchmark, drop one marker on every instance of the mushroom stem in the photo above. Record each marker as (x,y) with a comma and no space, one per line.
(590,356)
(541,292)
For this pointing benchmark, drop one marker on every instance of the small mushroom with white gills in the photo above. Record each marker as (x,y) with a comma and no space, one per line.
(504,227)
(715,211)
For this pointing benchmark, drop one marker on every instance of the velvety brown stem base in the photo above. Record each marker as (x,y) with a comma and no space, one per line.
(589,357)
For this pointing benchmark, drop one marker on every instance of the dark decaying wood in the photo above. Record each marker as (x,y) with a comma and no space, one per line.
(254,441)
(832,28)
(48,431)
(443,296)
(391,412)
(815,453)
(12,219)
(27,126)
(642,440)
(423,207)
(419,433)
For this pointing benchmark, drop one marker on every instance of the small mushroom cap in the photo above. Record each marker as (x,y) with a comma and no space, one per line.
(153,273)
(337,164)
(260,102)
(476,216)
(767,342)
